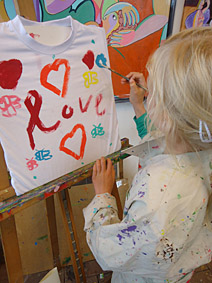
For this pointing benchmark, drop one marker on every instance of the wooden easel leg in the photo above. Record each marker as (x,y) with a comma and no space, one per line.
(121,169)
(70,228)
(115,193)
(50,209)
(11,250)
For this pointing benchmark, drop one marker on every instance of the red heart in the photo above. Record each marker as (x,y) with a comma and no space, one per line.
(10,73)
(54,67)
(70,135)
(88,59)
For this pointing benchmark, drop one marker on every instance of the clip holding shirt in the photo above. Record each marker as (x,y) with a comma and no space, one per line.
(202,138)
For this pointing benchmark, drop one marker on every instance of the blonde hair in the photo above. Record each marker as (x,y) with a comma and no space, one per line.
(180,86)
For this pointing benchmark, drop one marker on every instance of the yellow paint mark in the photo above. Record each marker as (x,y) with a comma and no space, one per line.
(90,78)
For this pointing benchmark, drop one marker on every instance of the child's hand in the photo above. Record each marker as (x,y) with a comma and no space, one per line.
(103,176)
(136,93)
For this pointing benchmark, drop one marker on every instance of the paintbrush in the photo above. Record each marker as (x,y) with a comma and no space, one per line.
(105,66)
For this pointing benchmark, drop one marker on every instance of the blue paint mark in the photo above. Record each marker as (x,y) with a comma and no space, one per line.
(129,229)
(53,56)
(101,60)
(141,194)
(36,243)
(10,9)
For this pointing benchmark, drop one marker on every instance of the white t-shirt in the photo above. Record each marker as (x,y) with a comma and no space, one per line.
(57,110)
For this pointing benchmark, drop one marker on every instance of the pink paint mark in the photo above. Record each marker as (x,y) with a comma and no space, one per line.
(155,147)
(9,104)
(31,164)
(88,59)
(85,108)
(98,101)
(10,73)
(56,189)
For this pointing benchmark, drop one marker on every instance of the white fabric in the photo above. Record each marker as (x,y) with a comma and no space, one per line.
(75,92)
(164,234)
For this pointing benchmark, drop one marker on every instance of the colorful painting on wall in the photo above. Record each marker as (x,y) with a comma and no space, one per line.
(7,10)
(196,13)
(133,28)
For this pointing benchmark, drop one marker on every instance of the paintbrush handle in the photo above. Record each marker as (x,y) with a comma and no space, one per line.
(144,88)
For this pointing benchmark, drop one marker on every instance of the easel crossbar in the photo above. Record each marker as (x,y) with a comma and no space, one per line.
(17,203)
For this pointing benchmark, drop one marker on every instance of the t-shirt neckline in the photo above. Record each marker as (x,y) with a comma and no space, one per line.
(17,24)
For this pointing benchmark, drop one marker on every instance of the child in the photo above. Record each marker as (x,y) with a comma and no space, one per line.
(166,230)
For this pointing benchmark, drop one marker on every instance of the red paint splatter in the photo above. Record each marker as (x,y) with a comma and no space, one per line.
(85,108)
(33,35)
(88,59)
(155,147)
(46,195)
(98,100)
(63,186)
(69,136)
(65,114)
(10,73)
(34,119)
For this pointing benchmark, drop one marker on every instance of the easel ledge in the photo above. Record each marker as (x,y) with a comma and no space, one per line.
(11,204)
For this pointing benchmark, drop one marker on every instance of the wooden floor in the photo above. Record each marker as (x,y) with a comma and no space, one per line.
(94,274)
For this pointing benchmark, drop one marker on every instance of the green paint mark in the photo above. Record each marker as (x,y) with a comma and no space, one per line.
(34,177)
(194,213)
(92,41)
(119,52)
(202,178)
(86,254)
(82,163)
(110,143)
(42,237)
(67,260)
(210,165)
(53,56)
(179,196)
(133,220)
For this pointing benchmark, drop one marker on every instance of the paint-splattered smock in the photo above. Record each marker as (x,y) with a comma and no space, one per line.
(165,232)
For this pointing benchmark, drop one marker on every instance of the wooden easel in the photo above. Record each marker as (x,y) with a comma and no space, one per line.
(11,204)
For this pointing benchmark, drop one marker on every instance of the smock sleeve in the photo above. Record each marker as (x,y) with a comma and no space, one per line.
(114,242)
